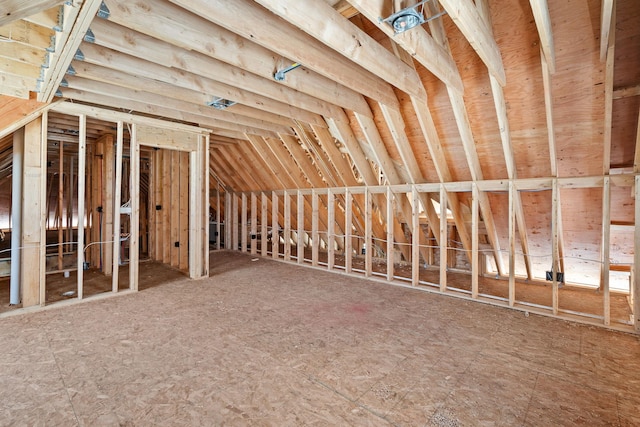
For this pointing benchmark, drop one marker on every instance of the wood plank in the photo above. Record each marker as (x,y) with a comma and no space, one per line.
(178,27)
(555,212)
(254,224)
(443,239)
(82,160)
(605,251)
(417,42)
(243,223)
(415,239)
(540,10)
(233,223)
(287,226)
(117,191)
(14,10)
(33,215)
(348,227)
(635,284)
(16,113)
(465,15)
(92,79)
(175,208)
(134,185)
(390,237)
(369,249)
(261,26)
(607,28)
(301,231)
(275,227)
(608,92)
(166,206)
(61,59)
(185,216)
(331,220)
(512,243)
(264,224)
(315,235)
(475,219)
(320,20)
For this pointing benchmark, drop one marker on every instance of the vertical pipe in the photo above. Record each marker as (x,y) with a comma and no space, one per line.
(16,216)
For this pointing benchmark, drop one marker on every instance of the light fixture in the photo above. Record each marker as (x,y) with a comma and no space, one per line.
(220,103)
(408,18)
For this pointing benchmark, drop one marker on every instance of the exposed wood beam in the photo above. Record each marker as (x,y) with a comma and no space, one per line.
(19,9)
(417,42)
(261,26)
(624,92)
(175,25)
(507,148)
(466,17)
(134,95)
(168,55)
(540,10)
(607,27)
(608,90)
(15,113)
(136,83)
(636,158)
(324,23)
(170,113)
(239,89)
(64,54)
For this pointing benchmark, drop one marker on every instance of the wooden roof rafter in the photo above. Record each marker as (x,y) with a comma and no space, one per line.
(175,26)
(263,27)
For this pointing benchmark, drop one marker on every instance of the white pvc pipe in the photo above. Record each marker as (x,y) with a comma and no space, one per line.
(16,216)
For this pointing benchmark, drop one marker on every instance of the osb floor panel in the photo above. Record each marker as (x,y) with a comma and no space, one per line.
(266,343)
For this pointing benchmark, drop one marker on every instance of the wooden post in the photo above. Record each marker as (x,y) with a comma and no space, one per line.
(390,238)
(264,224)
(218,216)
(555,208)
(175,208)
(475,219)
(301,232)
(331,219)
(606,252)
(368,261)
(228,223)
(157,214)
(275,232)
(70,183)
(166,207)
(151,206)
(254,224)
(108,208)
(287,226)
(116,207)
(82,159)
(315,236)
(243,221)
(415,237)
(443,239)
(635,285)
(348,226)
(60,204)
(33,214)
(134,187)
(234,223)
(185,213)
(512,243)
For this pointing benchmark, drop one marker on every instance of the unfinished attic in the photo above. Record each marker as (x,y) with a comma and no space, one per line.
(487,150)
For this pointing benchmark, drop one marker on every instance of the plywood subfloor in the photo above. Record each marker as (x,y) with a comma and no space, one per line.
(266,343)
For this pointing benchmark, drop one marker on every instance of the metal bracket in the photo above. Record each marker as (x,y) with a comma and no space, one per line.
(219,103)
(79,56)
(89,37)
(71,71)
(103,11)
(64,83)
